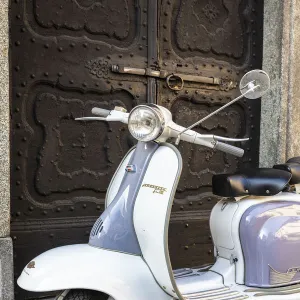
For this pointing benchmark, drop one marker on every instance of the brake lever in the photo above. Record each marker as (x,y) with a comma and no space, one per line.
(225,139)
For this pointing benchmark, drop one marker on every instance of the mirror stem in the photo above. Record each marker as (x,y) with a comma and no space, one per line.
(252,88)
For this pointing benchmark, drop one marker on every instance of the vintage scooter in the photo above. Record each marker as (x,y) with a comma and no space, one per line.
(255,227)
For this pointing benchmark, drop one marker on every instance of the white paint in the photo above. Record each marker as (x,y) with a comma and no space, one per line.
(115,183)
(119,275)
(150,214)
(221,223)
(116,115)
(203,281)
(225,268)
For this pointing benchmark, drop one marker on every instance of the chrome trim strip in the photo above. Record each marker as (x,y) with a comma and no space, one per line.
(167,221)
(224,296)
(293,291)
(275,289)
(219,294)
(187,272)
(205,293)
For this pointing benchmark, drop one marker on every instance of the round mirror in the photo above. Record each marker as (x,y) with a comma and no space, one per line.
(254,84)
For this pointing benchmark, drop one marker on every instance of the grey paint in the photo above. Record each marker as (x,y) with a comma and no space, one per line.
(114,230)
(270,238)
(115,174)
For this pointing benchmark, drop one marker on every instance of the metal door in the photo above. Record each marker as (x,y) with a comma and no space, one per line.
(62,53)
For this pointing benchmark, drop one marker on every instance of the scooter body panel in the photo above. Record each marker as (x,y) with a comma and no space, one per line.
(114,229)
(122,276)
(137,220)
(231,212)
(141,210)
(152,213)
(270,237)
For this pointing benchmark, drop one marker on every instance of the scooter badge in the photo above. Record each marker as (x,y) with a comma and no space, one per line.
(156,189)
(130,168)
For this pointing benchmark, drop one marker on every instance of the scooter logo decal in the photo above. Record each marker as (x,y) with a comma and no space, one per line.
(156,189)
(31,265)
(279,278)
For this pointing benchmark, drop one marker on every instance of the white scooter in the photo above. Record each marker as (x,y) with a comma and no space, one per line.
(255,227)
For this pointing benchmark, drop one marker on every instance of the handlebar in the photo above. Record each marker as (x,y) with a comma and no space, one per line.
(172,131)
(101,112)
(229,149)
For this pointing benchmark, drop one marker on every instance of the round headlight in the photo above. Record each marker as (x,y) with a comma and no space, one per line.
(146,123)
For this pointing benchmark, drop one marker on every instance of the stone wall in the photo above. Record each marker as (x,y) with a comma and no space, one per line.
(6,266)
(280,123)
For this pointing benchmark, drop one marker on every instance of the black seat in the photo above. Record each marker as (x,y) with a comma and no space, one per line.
(294,160)
(258,182)
(292,166)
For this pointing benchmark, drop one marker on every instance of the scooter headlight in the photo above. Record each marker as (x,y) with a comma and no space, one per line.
(146,123)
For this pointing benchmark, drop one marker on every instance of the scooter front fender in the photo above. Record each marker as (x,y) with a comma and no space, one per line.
(121,276)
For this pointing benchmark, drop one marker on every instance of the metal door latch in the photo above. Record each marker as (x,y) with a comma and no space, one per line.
(175,81)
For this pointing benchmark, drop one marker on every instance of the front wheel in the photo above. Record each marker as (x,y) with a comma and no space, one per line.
(83,295)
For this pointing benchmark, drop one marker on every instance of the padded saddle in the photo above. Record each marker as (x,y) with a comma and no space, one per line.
(257,182)
(292,166)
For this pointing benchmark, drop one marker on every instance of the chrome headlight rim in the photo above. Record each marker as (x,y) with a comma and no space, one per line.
(158,113)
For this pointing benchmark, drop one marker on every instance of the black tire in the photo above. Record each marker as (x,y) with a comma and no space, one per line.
(85,295)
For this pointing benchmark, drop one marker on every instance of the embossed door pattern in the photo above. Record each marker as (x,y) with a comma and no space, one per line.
(61,58)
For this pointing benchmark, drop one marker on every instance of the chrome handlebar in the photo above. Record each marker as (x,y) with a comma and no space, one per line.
(211,141)
(229,149)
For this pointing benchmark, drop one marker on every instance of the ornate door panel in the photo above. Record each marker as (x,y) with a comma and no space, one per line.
(221,39)
(61,57)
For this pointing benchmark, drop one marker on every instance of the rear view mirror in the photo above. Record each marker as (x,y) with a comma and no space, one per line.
(254,84)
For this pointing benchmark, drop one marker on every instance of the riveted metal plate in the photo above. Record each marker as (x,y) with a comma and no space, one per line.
(61,57)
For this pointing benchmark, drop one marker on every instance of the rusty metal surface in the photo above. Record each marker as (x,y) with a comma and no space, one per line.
(61,54)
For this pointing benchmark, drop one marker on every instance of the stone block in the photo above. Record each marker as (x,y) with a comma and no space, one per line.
(4,122)
(280,115)
(6,269)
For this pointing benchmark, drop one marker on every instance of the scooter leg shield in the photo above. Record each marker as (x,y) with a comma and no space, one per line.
(122,276)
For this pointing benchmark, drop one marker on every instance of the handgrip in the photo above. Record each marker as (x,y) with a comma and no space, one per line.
(229,149)
(100,112)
